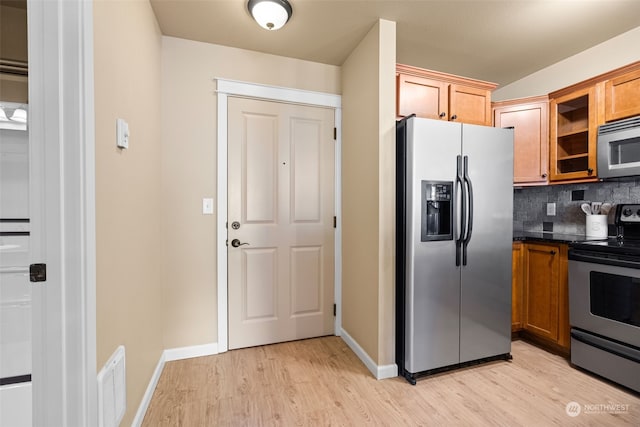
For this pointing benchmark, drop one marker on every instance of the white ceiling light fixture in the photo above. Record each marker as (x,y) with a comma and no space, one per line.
(13,116)
(270,14)
(19,115)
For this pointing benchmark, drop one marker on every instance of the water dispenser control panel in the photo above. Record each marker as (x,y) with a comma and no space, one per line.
(437,211)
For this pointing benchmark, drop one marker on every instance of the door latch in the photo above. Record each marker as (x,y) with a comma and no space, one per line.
(236,243)
(38,272)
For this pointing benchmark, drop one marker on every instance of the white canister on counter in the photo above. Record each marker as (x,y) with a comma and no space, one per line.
(597,226)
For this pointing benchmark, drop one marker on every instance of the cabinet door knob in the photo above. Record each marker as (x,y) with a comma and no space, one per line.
(589,171)
(544,175)
(455,116)
(552,252)
(443,114)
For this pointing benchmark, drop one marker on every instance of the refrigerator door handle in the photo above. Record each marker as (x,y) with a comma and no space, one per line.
(469,186)
(463,210)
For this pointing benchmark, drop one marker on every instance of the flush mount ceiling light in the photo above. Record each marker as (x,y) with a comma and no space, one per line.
(270,14)
(19,115)
(13,116)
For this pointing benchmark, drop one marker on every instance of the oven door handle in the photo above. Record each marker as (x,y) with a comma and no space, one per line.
(576,255)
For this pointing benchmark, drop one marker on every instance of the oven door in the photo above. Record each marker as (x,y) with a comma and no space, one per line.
(603,298)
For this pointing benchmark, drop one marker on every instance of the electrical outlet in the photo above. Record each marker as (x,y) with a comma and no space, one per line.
(551,209)
(577,195)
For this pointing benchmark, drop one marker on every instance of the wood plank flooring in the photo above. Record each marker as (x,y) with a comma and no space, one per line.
(320,382)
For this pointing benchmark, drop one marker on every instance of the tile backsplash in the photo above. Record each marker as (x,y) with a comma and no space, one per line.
(530,203)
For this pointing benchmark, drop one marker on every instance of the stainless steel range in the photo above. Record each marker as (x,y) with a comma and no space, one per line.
(604,301)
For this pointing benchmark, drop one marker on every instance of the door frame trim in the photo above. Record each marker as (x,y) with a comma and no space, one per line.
(225,89)
(62,211)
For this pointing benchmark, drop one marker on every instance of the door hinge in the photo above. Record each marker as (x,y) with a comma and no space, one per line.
(335,222)
(334,310)
(38,272)
(335,134)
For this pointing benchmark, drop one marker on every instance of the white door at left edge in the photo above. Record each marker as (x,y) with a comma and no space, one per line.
(281,175)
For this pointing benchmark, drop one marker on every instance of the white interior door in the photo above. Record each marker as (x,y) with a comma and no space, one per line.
(281,212)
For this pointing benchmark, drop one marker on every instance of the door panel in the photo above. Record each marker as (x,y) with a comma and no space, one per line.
(259,290)
(306,151)
(542,289)
(531,140)
(425,98)
(258,167)
(485,297)
(470,105)
(306,270)
(281,191)
(433,279)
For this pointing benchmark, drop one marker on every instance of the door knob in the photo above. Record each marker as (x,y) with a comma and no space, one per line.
(235,243)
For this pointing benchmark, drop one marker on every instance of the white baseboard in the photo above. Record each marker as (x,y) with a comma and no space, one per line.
(189,352)
(170,355)
(380,372)
(148,394)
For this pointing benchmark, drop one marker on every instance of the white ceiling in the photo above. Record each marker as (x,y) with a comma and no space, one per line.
(499,41)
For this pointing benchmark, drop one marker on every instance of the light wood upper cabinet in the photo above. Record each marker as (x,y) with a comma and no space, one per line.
(573,128)
(469,105)
(421,96)
(435,95)
(622,96)
(530,119)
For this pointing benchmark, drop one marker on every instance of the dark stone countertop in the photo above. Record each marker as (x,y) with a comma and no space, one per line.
(521,236)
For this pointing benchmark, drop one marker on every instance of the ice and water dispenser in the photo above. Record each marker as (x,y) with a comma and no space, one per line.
(437,211)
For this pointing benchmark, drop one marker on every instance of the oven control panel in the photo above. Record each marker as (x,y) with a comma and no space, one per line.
(628,214)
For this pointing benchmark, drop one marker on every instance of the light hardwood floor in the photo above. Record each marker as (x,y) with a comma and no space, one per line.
(320,382)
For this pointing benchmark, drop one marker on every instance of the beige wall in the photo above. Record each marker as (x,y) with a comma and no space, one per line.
(360,185)
(368,192)
(189,170)
(129,308)
(387,198)
(613,53)
(13,47)
(13,33)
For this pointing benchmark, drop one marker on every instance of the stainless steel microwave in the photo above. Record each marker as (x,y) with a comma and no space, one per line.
(619,148)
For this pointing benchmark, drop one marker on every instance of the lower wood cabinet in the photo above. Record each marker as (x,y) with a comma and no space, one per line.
(543,306)
(516,287)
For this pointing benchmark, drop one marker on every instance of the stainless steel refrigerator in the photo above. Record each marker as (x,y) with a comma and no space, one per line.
(454,237)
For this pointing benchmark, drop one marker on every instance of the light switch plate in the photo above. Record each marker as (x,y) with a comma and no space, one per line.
(122,133)
(551,209)
(207,206)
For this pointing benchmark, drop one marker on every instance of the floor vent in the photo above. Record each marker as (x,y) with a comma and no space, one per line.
(112,390)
